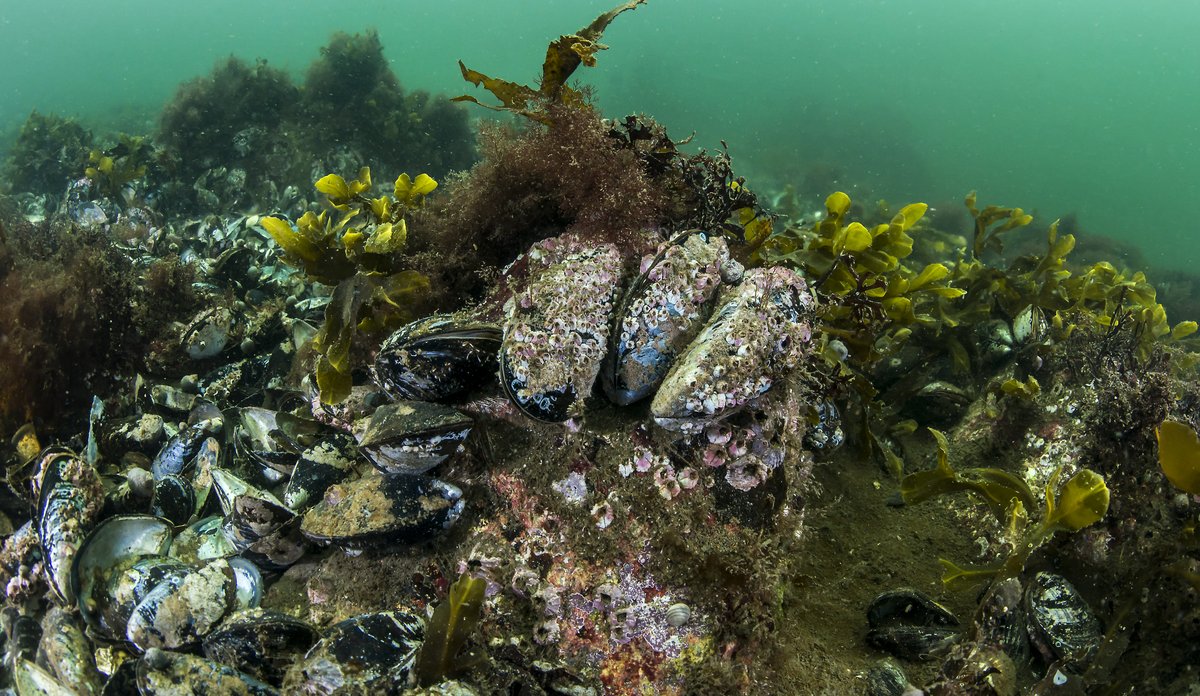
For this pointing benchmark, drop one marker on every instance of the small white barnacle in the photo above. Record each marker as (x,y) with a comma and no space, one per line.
(678,614)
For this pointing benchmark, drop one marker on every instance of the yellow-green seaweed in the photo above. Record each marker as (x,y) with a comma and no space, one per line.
(447,632)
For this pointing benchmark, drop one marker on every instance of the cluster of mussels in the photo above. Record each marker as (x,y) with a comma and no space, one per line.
(1049,622)
(154,545)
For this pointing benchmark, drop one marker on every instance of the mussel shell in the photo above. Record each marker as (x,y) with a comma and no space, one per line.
(556,327)
(372,653)
(412,437)
(230,487)
(319,467)
(660,314)
(547,405)
(1061,624)
(260,643)
(252,519)
(1000,620)
(907,606)
(174,499)
(179,611)
(29,679)
(111,548)
(910,642)
(70,501)
(438,358)
(127,588)
(164,672)
(202,540)
(760,330)
(66,652)
(178,453)
(383,509)
(885,678)
(279,550)
(937,404)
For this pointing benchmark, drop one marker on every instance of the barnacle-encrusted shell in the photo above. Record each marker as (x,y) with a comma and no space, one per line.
(70,500)
(556,327)
(65,650)
(661,313)
(761,330)
(181,610)
(106,558)
(381,509)
(175,674)
(437,358)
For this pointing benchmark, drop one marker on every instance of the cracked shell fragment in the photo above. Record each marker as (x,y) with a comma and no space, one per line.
(760,331)
(378,510)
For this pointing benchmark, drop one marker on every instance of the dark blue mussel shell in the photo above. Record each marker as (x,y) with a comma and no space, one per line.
(438,358)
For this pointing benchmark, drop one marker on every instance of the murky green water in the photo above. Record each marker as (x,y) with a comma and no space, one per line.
(1084,106)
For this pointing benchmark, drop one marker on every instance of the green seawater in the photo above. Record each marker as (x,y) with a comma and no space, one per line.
(1078,106)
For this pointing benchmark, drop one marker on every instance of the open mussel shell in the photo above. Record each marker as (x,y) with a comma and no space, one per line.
(438,358)
(660,314)
(908,624)
(319,467)
(252,519)
(271,441)
(165,672)
(412,437)
(263,644)
(383,509)
(371,653)
(182,609)
(1061,624)
(70,501)
(230,487)
(203,540)
(938,404)
(109,552)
